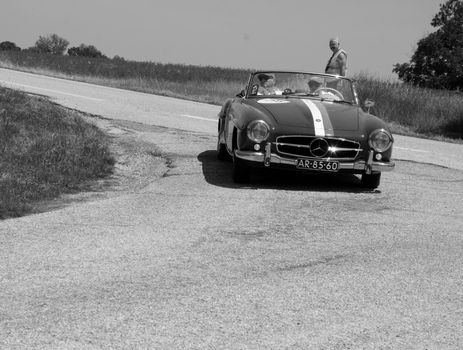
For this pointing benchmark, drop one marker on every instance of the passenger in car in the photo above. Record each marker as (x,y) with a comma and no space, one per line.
(267,85)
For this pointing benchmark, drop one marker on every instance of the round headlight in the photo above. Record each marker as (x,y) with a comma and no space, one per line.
(380,140)
(258,131)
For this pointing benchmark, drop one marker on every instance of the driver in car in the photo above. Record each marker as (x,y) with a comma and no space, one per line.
(314,84)
(317,88)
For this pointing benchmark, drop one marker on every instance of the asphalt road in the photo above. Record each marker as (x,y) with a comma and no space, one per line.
(186,259)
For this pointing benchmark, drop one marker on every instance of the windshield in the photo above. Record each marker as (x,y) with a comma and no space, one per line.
(320,86)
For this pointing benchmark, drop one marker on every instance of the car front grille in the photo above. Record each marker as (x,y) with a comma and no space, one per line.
(317,147)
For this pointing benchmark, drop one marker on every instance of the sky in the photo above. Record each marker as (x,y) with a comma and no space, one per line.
(255,34)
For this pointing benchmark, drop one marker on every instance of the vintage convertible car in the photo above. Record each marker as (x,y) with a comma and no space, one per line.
(303,122)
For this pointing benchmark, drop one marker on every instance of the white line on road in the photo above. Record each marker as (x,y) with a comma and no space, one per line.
(201,118)
(411,149)
(51,90)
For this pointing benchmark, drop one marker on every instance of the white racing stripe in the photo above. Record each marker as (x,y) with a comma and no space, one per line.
(54,91)
(317,118)
(200,118)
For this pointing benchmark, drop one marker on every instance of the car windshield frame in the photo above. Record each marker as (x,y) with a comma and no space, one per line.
(296,84)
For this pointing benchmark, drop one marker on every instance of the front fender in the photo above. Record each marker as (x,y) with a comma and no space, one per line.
(368,124)
(241,115)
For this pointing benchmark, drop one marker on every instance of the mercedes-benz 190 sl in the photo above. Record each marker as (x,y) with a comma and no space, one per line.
(304,122)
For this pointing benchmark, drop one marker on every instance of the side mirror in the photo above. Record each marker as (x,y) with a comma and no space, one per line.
(241,94)
(368,104)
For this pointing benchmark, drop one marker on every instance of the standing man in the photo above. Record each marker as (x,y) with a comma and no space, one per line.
(337,63)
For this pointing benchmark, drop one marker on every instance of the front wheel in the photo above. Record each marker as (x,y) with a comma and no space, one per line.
(371,181)
(240,172)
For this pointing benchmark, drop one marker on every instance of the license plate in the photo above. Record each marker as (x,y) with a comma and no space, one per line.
(321,165)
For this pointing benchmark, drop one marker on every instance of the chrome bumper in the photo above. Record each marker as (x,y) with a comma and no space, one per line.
(269,158)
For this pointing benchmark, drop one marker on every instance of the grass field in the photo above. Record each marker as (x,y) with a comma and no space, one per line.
(407,109)
(45,150)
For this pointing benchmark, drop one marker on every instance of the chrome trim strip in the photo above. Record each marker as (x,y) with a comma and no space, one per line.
(360,165)
(325,158)
(347,149)
(291,144)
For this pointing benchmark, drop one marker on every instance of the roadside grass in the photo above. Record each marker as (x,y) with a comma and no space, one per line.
(409,110)
(45,150)
(415,111)
(197,83)
(212,92)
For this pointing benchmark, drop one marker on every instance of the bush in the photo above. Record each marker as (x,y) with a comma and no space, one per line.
(52,44)
(9,46)
(85,51)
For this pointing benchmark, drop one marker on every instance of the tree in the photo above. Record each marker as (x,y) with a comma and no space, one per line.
(438,59)
(85,51)
(9,46)
(52,44)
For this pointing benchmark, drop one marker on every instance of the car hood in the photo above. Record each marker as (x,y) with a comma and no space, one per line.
(324,116)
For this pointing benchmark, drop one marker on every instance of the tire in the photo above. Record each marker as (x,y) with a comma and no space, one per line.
(240,172)
(371,181)
(222,153)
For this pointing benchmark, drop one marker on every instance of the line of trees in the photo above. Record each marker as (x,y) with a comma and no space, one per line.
(55,45)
